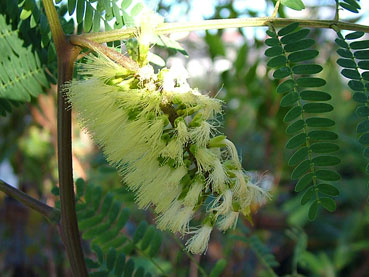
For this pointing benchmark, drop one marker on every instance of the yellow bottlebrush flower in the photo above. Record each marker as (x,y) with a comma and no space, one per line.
(160,135)
(228,221)
(218,177)
(202,134)
(223,203)
(205,158)
(176,218)
(193,194)
(198,243)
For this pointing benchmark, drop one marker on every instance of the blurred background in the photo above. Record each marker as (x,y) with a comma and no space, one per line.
(230,65)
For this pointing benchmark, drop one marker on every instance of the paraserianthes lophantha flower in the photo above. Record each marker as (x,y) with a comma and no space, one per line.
(161,136)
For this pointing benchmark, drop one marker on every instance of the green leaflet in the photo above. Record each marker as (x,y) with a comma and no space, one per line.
(342,43)
(356,85)
(313,210)
(326,160)
(300,170)
(328,189)
(363,126)
(289,53)
(361,55)
(218,268)
(286,30)
(314,95)
(328,203)
(298,156)
(354,35)
(317,108)
(327,175)
(304,182)
(351,74)
(346,63)
(295,126)
(282,72)
(297,5)
(307,69)
(364,139)
(273,51)
(286,86)
(319,122)
(296,141)
(310,82)
(362,111)
(299,45)
(322,135)
(307,196)
(277,61)
(289,99)
(350,5)
(362,44)
(296,36)
(292,114)
(359,97)
(303,55)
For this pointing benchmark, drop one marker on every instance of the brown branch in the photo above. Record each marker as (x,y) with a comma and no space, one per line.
(124,61)
(52,214)
(67,54)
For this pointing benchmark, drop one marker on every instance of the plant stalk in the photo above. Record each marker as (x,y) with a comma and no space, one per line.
(52,214)
(168,28)
(124,61)
(66,54)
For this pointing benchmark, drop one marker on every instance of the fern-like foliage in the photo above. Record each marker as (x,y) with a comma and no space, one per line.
(90,13)
(262,252)
(21,74)
(101,220)
(113,264)
(350,5)
(354,58)
(290,54)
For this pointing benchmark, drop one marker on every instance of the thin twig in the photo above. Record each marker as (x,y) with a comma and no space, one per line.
(52,214)
(168,28)
(337,13)
(124,61)
(275,12)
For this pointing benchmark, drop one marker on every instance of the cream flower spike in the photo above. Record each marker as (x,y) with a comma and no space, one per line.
(160,135)
(198,243)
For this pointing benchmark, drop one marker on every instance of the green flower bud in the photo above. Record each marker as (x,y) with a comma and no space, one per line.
(177,120)
(196,121)
(236,206)
(193,149)
(229,164)
(217,141)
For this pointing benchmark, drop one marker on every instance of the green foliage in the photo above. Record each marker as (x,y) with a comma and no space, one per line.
(260,250)
(287,48)
(293,4)
(34,30)
(218,268)
(350,5)
(355,61)
(264,255)
(90,14)
(21,74)
(113,263)
(101,219)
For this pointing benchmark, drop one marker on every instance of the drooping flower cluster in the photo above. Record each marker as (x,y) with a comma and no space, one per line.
(161,136)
